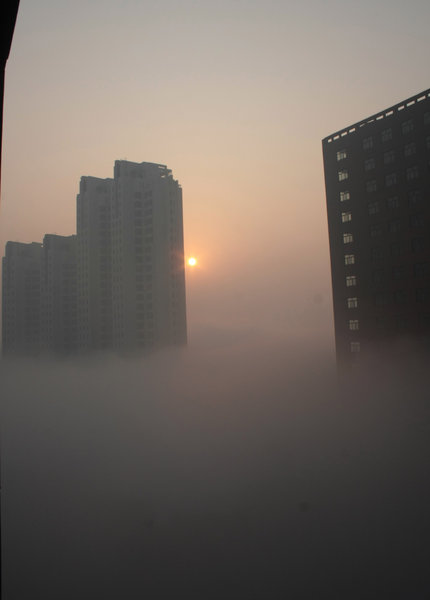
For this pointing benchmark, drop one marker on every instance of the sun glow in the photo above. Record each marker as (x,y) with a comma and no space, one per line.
(192,261)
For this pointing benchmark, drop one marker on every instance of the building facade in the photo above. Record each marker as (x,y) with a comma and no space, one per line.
(118,284)
(94,239)
(148,275)
(59,323)
(377,180)
(21,299)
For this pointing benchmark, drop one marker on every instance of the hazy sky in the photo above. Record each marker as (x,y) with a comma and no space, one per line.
(235,98)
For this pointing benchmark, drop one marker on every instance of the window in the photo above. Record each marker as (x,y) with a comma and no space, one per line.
(387,135)
(412,173)
(369,164)
(344,196)
(381,299)
(389,157)
(410,149)
(373,207)
(390,179)
(377,253)
(368,143)
(342,175)
(423,295)
(375,230)
(352,302)
(418,245)
(417,220)
(402,322)
(393,202)
(414,197)
(346,217)
(378,276)
(400,296)
(398,249)
(354,347)
(371,186)
(340,155)
(347,238)
(394,226)
(399,272)
(422,269)
(351,280)
(353,324)
(349,259)
(380,323)
(407,126)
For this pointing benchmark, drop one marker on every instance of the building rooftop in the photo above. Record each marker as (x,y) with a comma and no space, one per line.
(384,114)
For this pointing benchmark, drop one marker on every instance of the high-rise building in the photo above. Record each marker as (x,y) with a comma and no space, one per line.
(148,277)
(131,278)
(21,292)
(377,180)
(94,235)
(119,284)
(59,295)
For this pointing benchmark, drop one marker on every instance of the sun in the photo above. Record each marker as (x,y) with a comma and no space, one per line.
(192,261)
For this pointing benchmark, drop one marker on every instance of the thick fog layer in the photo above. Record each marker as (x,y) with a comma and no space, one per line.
(239,468)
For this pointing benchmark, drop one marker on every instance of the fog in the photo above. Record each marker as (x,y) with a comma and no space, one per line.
(240,467)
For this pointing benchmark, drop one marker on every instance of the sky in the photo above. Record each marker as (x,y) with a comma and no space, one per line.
(235,97)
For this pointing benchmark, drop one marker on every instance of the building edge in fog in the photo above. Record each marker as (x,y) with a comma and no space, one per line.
(21,299)
(94,273)
(377,180)
(59,323)
(148,268)
(117,285)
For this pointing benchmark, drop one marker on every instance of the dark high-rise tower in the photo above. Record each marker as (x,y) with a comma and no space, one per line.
(378,205)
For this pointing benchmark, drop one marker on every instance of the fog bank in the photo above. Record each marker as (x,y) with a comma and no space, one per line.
(240,467)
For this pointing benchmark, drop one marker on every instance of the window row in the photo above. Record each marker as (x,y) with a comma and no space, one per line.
(422,295)
(416,221)
(414,197)
(399,248)
(392,179)
(390,156)
(387,134)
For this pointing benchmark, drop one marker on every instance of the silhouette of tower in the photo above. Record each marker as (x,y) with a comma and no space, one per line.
(131,278)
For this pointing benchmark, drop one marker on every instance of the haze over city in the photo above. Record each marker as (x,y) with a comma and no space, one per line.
(239,466)
(234,98)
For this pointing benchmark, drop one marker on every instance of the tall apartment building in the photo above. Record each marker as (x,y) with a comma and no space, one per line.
(131,278)
(377,179)
(59,295)
(148,277)
(94,235)
(21,293)
(119,284)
